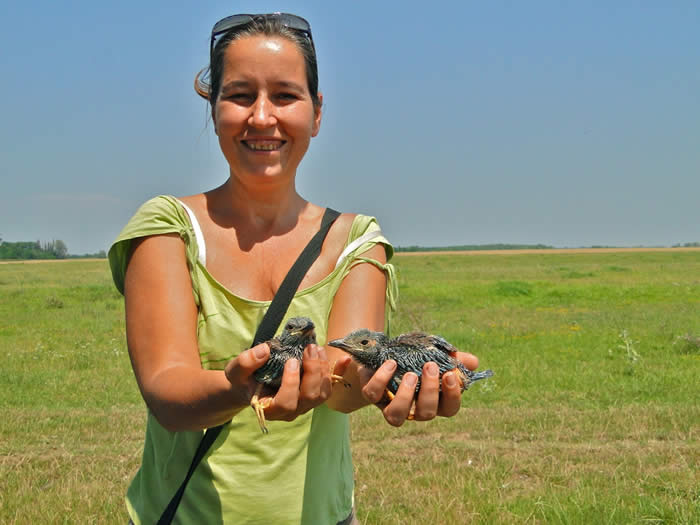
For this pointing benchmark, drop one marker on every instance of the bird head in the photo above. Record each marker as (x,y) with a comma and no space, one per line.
(362,344)
(298,329)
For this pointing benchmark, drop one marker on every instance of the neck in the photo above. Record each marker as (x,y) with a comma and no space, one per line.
(267,206)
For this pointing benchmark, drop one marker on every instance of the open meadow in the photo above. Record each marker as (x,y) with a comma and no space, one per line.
(593,415)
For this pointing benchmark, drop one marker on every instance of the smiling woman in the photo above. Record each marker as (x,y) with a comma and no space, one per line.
(264,115)
(198,274)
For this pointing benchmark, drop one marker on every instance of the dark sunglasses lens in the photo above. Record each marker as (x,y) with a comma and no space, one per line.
(230,22)
(295,22)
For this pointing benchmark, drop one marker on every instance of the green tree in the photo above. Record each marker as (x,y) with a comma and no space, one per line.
(60,250)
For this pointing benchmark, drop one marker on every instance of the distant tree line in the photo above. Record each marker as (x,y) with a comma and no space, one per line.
(473,247)
(482,247)
(33,250)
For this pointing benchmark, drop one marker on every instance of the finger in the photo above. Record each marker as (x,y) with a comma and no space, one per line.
(284,404)
(322,355)
(374,388)
(397,411)
(451,397)
(468,360)
(315,383)
(429,394)
(239,369)
(341,365)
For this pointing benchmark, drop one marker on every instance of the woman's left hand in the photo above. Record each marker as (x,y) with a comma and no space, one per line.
(430,401)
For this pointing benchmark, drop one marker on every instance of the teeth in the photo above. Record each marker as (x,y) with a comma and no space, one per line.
(263,146)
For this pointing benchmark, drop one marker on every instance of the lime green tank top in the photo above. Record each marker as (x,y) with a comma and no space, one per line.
(301,472)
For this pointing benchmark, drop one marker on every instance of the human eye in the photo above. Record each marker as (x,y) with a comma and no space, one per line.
(286,97)
(240,97)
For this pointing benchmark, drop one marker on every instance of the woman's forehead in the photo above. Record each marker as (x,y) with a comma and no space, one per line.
(259,47)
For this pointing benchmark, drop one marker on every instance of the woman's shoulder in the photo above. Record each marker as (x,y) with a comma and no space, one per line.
(355,230)
(354,225)
(159,215)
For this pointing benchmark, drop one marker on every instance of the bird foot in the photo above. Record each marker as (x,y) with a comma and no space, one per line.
(335,378)
(259,408)
(412,413)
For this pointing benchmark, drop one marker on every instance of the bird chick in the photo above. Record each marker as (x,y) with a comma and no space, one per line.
(298,333)
(290,344)
(410,351)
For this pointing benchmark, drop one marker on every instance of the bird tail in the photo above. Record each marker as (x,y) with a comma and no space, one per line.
(478,376)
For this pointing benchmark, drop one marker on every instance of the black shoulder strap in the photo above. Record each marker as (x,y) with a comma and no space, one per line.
(278,307)
(266,331)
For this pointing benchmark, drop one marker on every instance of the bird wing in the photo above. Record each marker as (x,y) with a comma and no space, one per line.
(422,341)
(442,345)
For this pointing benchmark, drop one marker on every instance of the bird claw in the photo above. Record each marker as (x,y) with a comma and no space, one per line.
(259,407)
(335,378)
(412,413)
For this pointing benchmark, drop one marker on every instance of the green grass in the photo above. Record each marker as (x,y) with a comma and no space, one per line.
(592,416)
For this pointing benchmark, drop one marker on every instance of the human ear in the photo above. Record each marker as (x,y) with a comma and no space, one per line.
(317,116)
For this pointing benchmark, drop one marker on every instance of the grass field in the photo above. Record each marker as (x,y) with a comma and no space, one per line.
(592,416)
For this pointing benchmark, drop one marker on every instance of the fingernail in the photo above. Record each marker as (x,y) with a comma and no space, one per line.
(390,365)
(293,365)
(410,379)
(432,370)
(259,352)
(449,379)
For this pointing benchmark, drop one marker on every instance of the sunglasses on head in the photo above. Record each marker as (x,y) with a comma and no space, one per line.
(293,22)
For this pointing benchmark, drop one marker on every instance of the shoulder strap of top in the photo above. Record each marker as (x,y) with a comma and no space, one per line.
(202,248)
(354,245)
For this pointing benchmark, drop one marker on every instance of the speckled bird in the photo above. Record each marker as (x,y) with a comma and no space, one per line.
(298,332)
(410,351)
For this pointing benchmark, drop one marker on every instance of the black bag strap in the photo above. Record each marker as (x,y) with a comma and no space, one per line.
(266,331)
(278,307)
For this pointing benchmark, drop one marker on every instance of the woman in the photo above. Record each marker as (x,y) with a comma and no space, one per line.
(198,274)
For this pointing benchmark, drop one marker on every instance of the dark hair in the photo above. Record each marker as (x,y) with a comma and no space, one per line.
(207,82)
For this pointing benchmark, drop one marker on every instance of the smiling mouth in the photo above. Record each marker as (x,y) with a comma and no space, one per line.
(263,145)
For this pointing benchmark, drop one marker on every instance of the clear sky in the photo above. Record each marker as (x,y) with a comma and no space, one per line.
(555,122)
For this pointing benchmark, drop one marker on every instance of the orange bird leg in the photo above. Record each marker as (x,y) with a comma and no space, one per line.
(259,408)
(335,378)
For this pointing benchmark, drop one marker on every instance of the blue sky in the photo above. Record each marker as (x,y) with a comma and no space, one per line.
(564,123)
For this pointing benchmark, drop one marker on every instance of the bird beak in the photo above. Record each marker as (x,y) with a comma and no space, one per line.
(339,343)
(308,330)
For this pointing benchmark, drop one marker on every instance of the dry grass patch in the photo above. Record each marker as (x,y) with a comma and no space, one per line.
(529,465)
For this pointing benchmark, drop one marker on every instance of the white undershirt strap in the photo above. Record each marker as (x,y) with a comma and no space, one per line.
(354,245)
(202,248)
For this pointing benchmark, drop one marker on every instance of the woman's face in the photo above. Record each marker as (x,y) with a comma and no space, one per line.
(264,115)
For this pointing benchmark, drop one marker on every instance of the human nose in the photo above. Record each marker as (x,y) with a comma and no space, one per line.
(263,113)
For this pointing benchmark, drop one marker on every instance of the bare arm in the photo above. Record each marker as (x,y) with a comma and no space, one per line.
(161,320)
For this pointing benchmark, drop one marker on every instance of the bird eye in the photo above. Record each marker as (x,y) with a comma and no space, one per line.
(364,342)
(289,326)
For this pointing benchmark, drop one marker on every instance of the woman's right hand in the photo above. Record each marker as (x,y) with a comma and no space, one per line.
(239,372)
(296,395)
